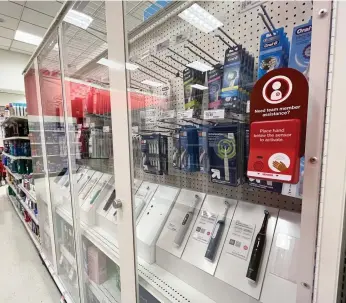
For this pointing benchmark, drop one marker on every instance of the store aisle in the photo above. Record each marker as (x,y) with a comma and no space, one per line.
(23,277)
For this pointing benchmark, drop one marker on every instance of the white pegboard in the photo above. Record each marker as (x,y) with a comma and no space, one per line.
(245,28)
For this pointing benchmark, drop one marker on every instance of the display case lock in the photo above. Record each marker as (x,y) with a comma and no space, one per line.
(313,160)
(306,285)
(117,204)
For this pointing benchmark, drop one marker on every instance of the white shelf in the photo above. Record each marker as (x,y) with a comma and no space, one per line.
(16,138)
(153,278)
(31,234)
(9,119)
(27,208)
(16,157)
(15,175)
(68,256)
(29,193)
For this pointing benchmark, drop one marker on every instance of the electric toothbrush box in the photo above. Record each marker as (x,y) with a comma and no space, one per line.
(203,147)
(189,149)
(193,97)
(301,48)
(181,218)
(231,80)
(282,271)
(154,217)
(176,151)
(223,154)
(214,88)
(239,244)
(212,210)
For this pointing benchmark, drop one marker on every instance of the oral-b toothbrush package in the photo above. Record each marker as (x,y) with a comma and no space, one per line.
(274,50)
(154,154)
(203,147)
(225,154)
(193,97)
(176,151)
(301,48)
(189,149)
(214,87)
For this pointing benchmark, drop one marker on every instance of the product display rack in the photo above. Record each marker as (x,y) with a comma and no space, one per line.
(16,157)
(85,209)
(15,175)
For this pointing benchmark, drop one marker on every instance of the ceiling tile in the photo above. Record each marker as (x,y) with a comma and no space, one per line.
(6,33)
(8,22)
(36,18)
(48,7)
(4,47)
(10,9)
(23,46)
(20,51)
(18,2)
(31,29)
(5,41)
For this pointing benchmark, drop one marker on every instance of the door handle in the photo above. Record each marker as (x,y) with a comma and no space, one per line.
(117,204)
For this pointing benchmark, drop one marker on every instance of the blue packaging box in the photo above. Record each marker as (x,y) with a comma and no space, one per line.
(203,154)
(189,149)
(301,48)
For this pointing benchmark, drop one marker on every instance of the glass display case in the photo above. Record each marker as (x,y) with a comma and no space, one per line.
(170,148)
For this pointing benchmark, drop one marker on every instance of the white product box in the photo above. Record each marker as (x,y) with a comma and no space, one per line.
(83,194)
(153,219)
(84,179)
(142,197)
(90,205)
(281,275)
(187,206)
(97,265)
(213,209)
(237,250)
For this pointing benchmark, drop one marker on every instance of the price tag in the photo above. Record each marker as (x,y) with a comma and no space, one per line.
(168,114)
(240,241)
(205,226)
(214,114)
(92,124)
(185,114)
(106,129)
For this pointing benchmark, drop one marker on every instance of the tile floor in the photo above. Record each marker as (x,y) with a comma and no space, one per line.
(23,277)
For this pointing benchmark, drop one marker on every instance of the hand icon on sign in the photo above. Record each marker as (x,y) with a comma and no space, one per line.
(280,166)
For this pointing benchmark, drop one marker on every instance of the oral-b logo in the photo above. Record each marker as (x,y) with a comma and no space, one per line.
(304,30)
(274,43)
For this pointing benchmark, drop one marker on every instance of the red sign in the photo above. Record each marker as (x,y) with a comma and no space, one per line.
(281,94)
(274,150)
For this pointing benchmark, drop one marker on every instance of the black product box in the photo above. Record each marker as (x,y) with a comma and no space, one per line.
(193,97)
(214,88)
(154,150)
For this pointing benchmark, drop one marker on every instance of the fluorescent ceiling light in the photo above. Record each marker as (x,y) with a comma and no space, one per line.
(27,38)
(78,19)
(131,66)
(152,83)
(116,65)
(200,87)
(200,66)
(200,18)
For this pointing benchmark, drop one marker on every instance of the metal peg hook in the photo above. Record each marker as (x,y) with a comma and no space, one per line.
(201,50)
(222,31)
(171,66)
(188,61)
(142,71)
(198,55)
(175,60)
(266,14)
(266,24)
(167,70)
(224,41)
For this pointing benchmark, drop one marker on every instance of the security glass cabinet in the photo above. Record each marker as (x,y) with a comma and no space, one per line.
(139,116)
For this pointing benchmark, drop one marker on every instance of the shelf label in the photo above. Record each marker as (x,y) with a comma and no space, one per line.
(214,114)
(239,243)
(205,226)
(106,129)
(168,114)
(185,114)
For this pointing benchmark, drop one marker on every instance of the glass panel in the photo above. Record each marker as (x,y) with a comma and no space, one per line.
(89,112)
(206,232)
(51,156)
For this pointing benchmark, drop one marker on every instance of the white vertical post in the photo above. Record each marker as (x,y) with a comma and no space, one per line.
(332,210)
(122,151)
